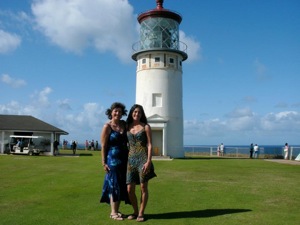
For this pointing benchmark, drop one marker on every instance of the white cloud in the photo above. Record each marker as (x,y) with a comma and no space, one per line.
(18,108)
(282,121)
(107,25)
(82,124)
(35,105)
(240,112)
(242,126)
(64,104)
(41,98)
(8,42)
(85,124)
(193,47)
(15,83)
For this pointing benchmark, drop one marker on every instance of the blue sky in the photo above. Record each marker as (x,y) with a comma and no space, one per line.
(65,62)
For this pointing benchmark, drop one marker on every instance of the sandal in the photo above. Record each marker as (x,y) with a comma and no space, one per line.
(121,215)
(140,219)
(132,217)
(116,217)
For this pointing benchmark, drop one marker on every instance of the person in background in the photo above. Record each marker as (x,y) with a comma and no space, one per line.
(18,143)
(55,147)
(222,149)
(97,145)
(92,145)
(74,147)
(140,168)
(286,151)
(256,151)
(114,160)
(86,145)
(251,150)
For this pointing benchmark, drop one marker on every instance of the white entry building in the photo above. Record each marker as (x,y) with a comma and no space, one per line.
(159,55)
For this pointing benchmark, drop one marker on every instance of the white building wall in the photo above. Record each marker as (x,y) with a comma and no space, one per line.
(159,91)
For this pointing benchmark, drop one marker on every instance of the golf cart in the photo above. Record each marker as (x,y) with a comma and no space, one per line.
(27,145)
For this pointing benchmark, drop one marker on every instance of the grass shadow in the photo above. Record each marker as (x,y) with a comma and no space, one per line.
(85,154)
(212,158)
(196,213)
(76,155)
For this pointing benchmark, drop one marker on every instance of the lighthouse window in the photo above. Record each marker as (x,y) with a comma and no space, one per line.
(143,61)
(171,60)
(156,100)
(157,59)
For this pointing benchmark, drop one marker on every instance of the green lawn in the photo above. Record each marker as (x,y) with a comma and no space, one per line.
(38,190)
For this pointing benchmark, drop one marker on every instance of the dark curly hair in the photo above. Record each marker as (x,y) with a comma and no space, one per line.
(114,106)
(143,117)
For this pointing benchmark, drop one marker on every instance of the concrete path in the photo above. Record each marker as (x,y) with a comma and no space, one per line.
(291,162)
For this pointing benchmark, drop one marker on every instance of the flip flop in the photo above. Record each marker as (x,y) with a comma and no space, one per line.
(132,217)
(121,215)
(140,219)
(116,217)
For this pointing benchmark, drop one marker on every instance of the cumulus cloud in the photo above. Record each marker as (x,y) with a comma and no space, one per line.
(15,83)
(85,124)
(64,104)
(246,125)
(35,105)
(286,120)
(41,98)
(18,108)
(193,46)
(107,25)
(8,42)
(240,112)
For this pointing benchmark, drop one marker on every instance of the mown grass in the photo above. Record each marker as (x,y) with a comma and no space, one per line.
(66,190)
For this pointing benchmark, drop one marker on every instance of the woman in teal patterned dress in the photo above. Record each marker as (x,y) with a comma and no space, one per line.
(140,168)
(114,159)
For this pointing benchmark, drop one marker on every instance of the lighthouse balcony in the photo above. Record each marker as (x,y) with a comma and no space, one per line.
(140,47)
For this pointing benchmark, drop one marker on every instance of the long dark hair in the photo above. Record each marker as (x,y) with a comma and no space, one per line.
(143,117)
(114,106)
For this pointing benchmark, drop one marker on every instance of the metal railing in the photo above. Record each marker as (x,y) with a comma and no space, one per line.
(137,47)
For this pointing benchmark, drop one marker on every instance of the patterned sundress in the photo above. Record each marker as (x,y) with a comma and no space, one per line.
(138,155)
(115,180)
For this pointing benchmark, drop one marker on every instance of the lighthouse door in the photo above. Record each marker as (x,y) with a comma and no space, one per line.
(157,142)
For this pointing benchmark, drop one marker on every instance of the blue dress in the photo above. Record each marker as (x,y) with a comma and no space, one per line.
(138,156)
(115,181)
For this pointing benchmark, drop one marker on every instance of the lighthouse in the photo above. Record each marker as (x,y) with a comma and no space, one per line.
(159,55)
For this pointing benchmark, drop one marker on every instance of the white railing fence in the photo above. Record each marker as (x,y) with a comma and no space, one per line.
(240,152)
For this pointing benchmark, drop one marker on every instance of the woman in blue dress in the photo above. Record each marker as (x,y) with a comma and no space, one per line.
(140,168)
(114,159)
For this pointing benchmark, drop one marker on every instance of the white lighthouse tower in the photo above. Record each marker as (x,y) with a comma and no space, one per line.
(159,55)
